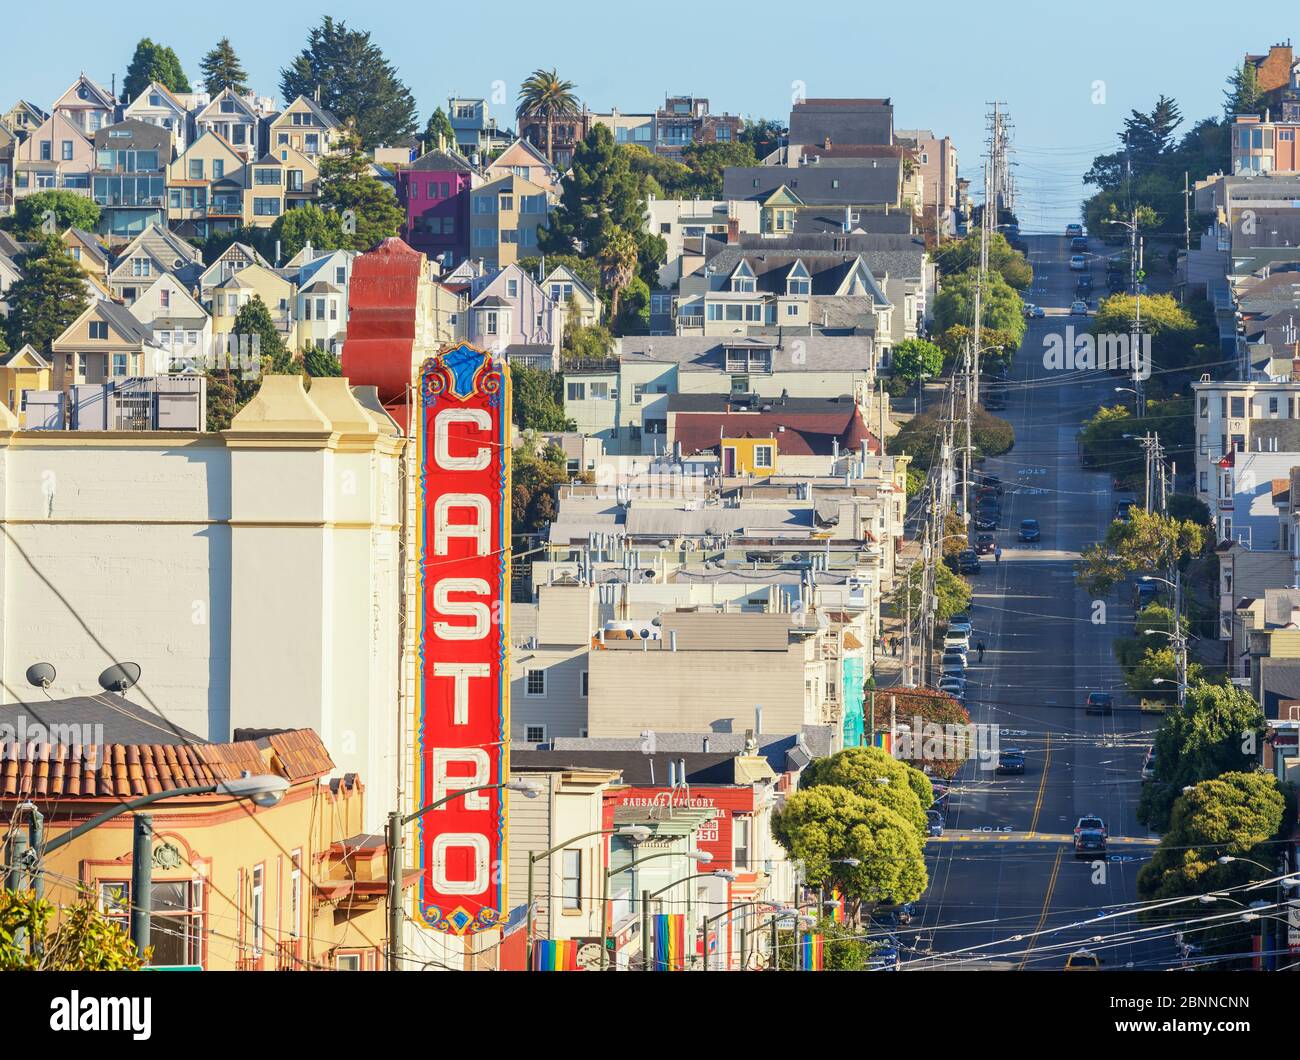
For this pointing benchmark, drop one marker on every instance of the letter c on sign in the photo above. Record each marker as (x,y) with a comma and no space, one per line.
(479,460)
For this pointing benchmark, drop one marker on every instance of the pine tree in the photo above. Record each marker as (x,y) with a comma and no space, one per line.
(369,208)
(231,388)
(320,363)
(222,70)
(439,125)
(294,229)
(50,295)
(254,320)
(355,81)
(1243,94)
(153,62)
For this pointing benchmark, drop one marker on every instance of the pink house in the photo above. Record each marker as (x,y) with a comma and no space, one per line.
(434,192)
(55,156)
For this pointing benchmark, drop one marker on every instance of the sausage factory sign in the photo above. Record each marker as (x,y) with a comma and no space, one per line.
(464,580)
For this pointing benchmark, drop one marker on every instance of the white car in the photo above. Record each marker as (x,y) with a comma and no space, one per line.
(959,640)
(1078,263)
(954,686)
(1079,309)
(960,627)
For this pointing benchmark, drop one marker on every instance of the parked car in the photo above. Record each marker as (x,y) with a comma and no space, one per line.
(1078,263)
(1073,230)
(953,662)
(1029,530)
(986,519)
(984,543)
(968,562)
(960,624)
(1012,760)
(994,398)
(1099,703)
(953,686)
(956,640)
(1147,594)
(1123,506)
(1079,308)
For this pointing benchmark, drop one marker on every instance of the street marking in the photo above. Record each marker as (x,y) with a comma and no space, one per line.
(954,835)
(1042,786)
(1047,907)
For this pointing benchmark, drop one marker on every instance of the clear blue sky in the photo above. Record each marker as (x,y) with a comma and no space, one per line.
(1042,60)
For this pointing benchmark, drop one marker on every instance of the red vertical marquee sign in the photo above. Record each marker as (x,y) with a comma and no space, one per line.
(464,721)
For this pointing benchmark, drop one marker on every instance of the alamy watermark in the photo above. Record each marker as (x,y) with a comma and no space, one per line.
(25,732)
(928,741)
(1110,352)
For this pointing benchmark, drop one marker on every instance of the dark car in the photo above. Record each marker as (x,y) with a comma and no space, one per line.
(1074,229)
(940,790)
(990,482)
(986,519)
(1123,507)
(984,543)
(1084,284)
(933,823)
(1089,843)
(1147,593)
(1099,703)
(1011,760)
(1029,530)
(994,398)
(1078,244)
(968,562)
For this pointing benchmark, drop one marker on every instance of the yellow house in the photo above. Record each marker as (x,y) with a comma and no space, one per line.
(278,181)
(105,343)
(238,289)
(504,218)
(295,885)
(204,186)
(20,371)
(87,252)
(749,456)
(306,127)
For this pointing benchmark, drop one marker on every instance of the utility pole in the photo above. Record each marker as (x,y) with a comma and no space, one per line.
(1187,214)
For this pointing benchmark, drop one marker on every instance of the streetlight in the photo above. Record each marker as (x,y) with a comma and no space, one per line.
(1180,641)
(701,856)
(788,913)
(638,833)
(647,896)
(396,823)
(263,790)
(728,912)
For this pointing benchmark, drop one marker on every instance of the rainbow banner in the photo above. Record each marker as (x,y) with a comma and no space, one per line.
(839,911)
(812,953)
(669,943)
(555,955)
(883,740)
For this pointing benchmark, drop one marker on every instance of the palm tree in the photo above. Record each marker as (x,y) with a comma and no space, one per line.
(618,260)
(545,95)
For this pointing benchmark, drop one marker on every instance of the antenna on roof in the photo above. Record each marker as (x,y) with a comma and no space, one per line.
(41,675)
(119,677)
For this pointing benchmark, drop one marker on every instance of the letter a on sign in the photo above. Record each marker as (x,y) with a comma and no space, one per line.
(464,581)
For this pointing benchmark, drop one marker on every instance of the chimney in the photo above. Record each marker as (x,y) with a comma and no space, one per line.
(733,231)
(672,640)
(758,718)
(826,144)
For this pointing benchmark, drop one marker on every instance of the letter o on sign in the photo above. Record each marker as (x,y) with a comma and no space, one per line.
(460,851)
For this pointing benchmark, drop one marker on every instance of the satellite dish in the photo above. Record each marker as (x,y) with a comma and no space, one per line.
(120,677)
(40,675)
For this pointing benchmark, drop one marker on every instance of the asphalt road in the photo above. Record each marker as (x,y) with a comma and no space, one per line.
(1006,888)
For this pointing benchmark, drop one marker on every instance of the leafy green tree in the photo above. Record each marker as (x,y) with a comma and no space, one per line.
(827,825)
(952,592)
(363,202)
(587,270)
(1155,674)
(84,941)
(1143,543)
(231,387)
(308,223)
(70,210)
(254,320)
(221,70)
(1170,325)
(47,298)
(600,197)
(618,261)
(587,342)
(547,97)
(763,136)
(1243,94)
(634,309)
(876,776)
(534,476)
(844,950)
(1237,814)
(356,83)
(919,437)
(665,178)
(708,161)
(958,255)
(438,125)
(913,358)
(153,62)
(1000,306)
(1217,730)
(537,399)
(319,363)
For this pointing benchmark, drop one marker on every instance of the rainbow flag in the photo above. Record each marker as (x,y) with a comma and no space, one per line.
(555,955)
(812,953)
(838,912)
(669,942)
(883,740)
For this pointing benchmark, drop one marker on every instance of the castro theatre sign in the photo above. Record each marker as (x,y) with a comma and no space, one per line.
(464,581)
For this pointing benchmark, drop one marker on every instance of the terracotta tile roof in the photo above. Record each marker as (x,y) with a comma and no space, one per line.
(118,770)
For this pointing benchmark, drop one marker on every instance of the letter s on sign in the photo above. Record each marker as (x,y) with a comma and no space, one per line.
(475,608)
(441,436)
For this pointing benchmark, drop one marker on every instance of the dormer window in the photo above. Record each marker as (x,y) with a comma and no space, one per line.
(797,281)
(742,280)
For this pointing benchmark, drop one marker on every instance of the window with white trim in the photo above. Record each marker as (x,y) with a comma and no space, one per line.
(535,683)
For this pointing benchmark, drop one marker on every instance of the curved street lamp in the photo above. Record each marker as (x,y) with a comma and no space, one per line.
(695,855)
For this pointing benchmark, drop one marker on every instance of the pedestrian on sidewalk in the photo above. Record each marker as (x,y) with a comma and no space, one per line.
(980,648)
(895,646)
